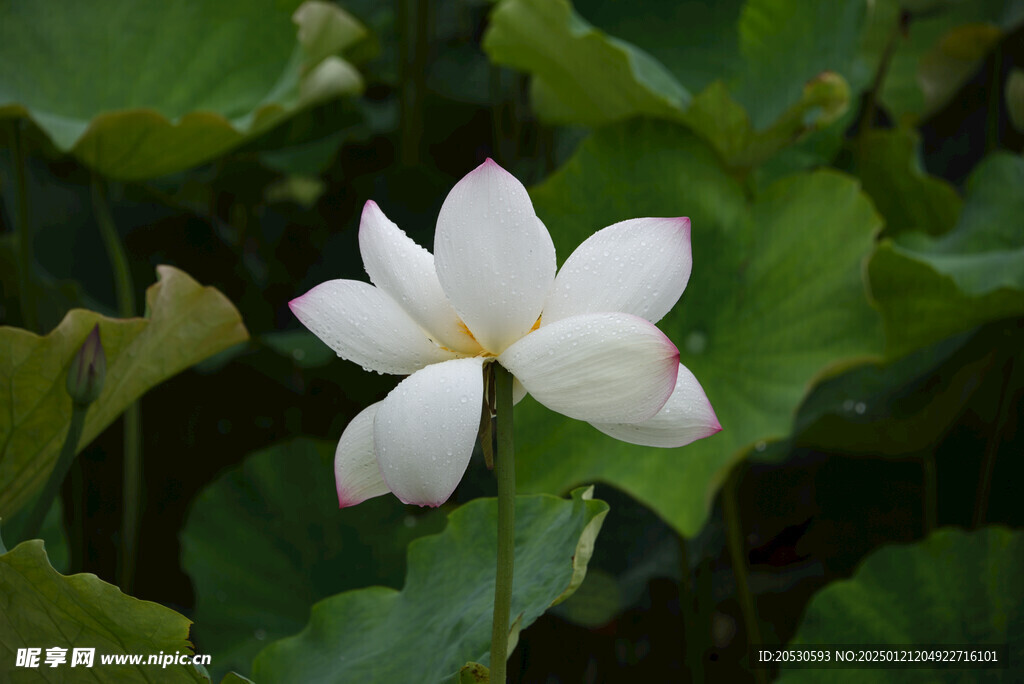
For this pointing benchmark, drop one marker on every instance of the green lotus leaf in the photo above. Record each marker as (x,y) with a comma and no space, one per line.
(235,678)
(266,541)
(724,123)
(142,89)
(954,587)
(901,407)
(888,166)
(185,323)
(791,76)
(696,41)
(44,609)
(786,44)
(929,288)
(442,617)
(51,532)
(581,75)
(938,49)
(776,299)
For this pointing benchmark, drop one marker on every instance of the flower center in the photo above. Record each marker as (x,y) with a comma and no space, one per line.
(483,352)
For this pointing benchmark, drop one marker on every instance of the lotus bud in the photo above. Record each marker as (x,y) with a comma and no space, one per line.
(88,370)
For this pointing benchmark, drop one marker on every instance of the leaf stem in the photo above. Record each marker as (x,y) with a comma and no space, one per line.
(26,285)
(992,448)
(132,485)
(115,250)
(930,483)
(76,529)
(993,108)
(867,117)
(414,51)
(60,470)
(734,530)
(694,638)
(505,470)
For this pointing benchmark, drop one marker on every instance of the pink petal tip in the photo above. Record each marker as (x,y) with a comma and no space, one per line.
(716,427)
(344,500)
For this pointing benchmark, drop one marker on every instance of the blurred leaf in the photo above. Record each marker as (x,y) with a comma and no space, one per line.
(954,587)
(53,297)
(303,190)
(63,241)
(930,288)
(306,158)
(52,533)
(596,603)
(324,30)
(941,46)
(787,43)
(726,125)
(1015,98)
(901,407)
(43,608)
(55,538)
(790,78)
(235,678)
(309,142)
(889,168)
(665,29)
(952,61)
(776,299)
(442,618)
(580,74)
(304,349)
(266,540)
(185,323)
(137,90)
(460,72)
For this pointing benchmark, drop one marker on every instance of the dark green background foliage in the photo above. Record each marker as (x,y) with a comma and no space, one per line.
(856,315)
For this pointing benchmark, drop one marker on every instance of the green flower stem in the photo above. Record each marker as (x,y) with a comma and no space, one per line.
(67,455)
(132,418)
(734,530)
(505,470)
(26,285)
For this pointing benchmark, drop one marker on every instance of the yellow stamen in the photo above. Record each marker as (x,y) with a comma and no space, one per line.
(465,328)
(483,352)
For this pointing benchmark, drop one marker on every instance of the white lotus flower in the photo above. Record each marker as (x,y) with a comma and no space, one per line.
(583,343)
